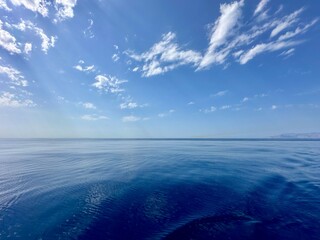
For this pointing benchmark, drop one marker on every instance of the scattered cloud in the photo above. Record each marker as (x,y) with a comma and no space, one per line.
(82,68)
(165,114)
(220,93)
(14,75)
(8,41)
(231,35)
(115,57)
(109,83)
(88,31)
(128,105)
(4,6)
(274,107)
(93,117)
(131,118)
(164,56)
(89,105)
(191,103)
(245,99)
(209,110)
(11,100)
(135,69)
(225,107)
(46,41)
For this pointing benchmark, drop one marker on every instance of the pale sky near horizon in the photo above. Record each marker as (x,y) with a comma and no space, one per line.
(160,68)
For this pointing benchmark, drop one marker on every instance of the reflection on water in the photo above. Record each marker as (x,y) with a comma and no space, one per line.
(143,189)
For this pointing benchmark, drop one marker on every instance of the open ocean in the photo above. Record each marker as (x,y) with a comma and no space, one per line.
(159,189)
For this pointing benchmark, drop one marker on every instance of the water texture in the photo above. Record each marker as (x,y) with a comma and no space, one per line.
(159,189)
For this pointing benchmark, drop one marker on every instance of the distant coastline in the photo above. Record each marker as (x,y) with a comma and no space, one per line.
(314,135)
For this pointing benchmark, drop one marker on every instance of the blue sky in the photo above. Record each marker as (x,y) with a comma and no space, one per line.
(162,68)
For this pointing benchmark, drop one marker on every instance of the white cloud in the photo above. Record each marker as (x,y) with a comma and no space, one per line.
(225,107)
(88,31)
(14,75)
(220,32)
(191,103)
(80,67)
(231,35)
(39,6)
(165,114)
(297,31)
(109,83)
(220,93)
(245,99)
(266,47)
(64,9)
(10,100)
(128,105)
(93,117)
(89,105)
(288,53)
(115,57)
(3,5)
(165,56)
(8,41)
(46,41)
(274,107)
(135,69)
(286,22)
(130,118)
(260,6)
(27,48)
(209,110)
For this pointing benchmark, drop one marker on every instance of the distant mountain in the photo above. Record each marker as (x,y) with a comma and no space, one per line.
(298,135)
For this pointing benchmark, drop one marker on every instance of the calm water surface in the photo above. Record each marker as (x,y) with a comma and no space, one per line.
(159,189)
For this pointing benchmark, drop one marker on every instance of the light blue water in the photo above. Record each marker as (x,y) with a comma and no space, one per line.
(159,189)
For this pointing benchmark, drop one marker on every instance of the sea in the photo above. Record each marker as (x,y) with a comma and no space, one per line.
(159,189)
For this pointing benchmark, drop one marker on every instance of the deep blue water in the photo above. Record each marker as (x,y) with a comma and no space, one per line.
(159,189)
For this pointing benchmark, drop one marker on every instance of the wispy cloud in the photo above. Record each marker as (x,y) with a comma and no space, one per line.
(14,75)
(109,83)
(88,105)
(115,57)
(231,37)
(11,100)
(131,118)
(224,107)
(47,42)
(286,22)
(260,7)
(220,93)
(4,6)
(93,117)
(222,29)
(165,114)
(209,110)
(8,41)
(266,47)
(245,99)
(82,68)
(164,56)
(88,31)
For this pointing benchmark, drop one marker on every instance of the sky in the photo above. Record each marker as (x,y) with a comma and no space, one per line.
(161,68)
